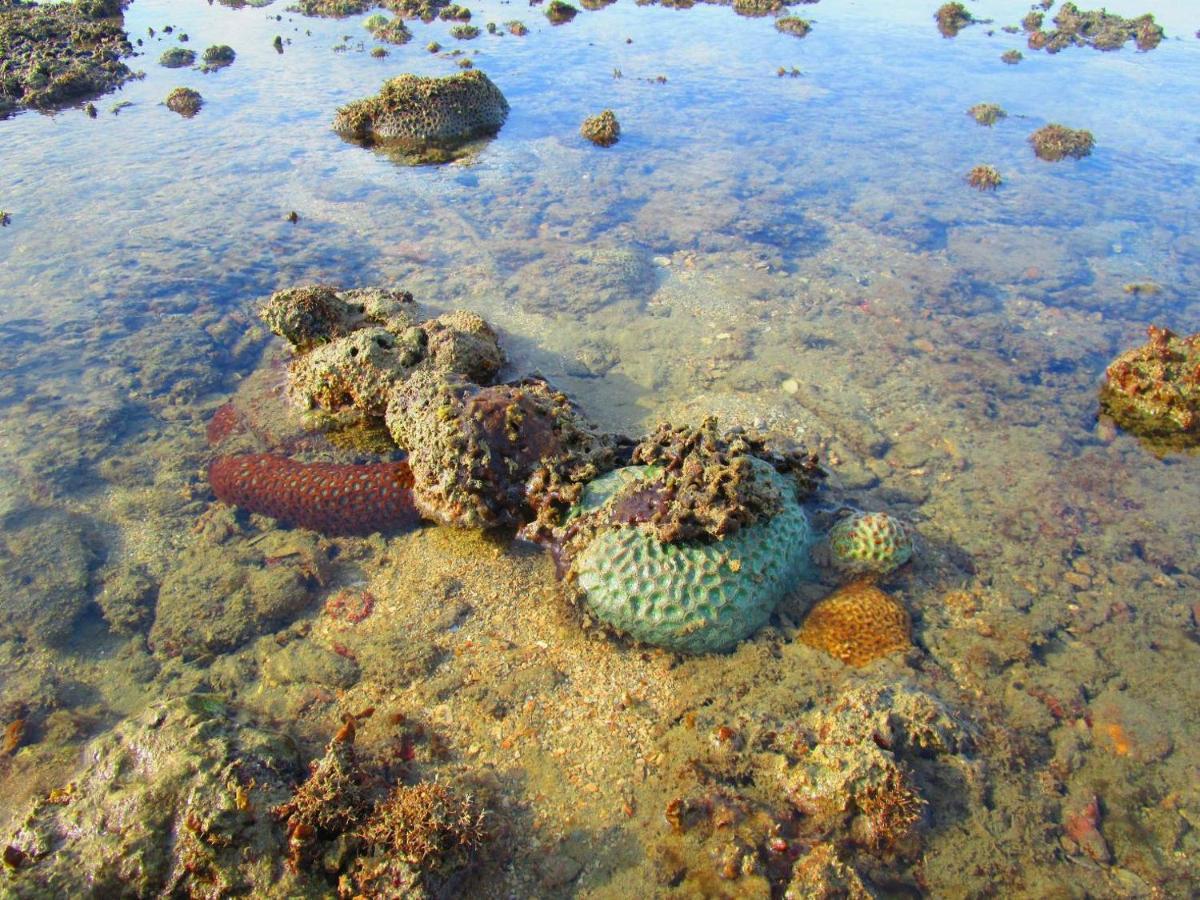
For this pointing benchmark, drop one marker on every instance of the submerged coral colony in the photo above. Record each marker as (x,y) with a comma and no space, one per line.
(687,539)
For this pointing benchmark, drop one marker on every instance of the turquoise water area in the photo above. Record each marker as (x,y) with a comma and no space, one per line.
(797,252)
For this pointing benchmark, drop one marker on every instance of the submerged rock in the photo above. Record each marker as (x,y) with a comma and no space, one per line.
(45,574)
(173,802)
(1097,28)
(227,589)
(1153,391)
(430,119)
(1054,142)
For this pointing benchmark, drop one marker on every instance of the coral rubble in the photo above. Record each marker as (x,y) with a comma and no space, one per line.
(857,623)
(1153,390)
(952,18)
(793,25)
(986,113)
(559,12)
(1098,29)
(429,118)
(330,498)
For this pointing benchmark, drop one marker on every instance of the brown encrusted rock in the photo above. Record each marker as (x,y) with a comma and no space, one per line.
(710,488)
(354,373)
(317,313)
(472,448)
(1153,390)
(184,101)
(429,117)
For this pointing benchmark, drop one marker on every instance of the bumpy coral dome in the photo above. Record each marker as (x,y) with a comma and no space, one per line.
(870,544)
(693,596)
(602,129)
(1154,390)
(421,114)
(857,624)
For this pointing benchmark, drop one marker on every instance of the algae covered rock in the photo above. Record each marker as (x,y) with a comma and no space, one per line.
(692,596)
(45,575)
(602,129)
(227,589)
(429,119)
(1153,391)
(177,58)
(173,802)
(184,101)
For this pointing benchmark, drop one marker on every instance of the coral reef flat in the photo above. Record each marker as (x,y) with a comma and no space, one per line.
(242,356)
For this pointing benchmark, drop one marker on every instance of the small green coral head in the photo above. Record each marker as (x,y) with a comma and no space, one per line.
(870,544)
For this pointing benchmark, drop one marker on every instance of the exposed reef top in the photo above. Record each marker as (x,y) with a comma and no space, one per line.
(52,54)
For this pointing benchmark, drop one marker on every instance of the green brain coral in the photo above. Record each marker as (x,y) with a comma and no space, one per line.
(693,596)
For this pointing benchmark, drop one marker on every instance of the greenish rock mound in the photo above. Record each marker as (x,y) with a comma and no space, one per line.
(1153,391)
(694,596)
(424,119)
(177,58)
(173,802)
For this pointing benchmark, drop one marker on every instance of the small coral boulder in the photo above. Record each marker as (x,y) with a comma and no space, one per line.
(429,119)
(1153,391)
(869,544)
(857,624)
(602,129)
(184,101)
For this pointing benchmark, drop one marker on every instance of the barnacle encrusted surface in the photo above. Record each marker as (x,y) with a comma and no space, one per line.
(693,596)
(425,115)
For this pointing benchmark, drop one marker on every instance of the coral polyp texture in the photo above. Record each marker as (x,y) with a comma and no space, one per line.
(693,596)
(857,624)
(331,498)
(869,544)
(429,118)
(1153,391)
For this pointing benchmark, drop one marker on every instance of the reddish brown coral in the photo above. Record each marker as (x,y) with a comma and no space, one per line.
(327,497)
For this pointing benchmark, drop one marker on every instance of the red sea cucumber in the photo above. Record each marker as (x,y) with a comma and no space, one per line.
(330,498)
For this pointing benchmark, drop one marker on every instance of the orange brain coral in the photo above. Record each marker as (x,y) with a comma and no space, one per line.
(857,624)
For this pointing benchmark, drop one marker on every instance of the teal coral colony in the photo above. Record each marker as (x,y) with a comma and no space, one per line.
(694,596)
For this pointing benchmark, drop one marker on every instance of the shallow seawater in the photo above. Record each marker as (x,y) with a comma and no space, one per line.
(796,253)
